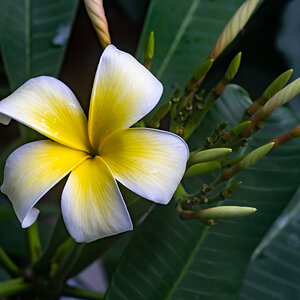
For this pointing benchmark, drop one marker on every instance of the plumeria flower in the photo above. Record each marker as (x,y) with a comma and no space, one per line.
(96,153)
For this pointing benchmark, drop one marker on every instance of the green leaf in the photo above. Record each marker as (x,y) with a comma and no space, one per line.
(172,259)
(33,37)
(185,32)
(12,235)
(274,273)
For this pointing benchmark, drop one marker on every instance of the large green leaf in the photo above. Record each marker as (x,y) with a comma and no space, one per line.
(33,37)
(274,273)
(185,32)
(172,259)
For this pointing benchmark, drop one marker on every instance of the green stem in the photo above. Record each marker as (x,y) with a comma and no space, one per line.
(212,186)
(81,293)
(58,281)
(196,119)
(34,243)
(231,162)
(225,193)
(8,264)
(58,236)
(180,193)
(60,255)
(14,287)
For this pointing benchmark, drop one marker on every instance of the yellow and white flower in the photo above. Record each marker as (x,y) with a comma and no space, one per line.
(96,153)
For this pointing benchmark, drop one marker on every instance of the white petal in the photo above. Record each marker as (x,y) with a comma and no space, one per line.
(48,106)
(124,91)
(32,170)
(149,162)
(92,204)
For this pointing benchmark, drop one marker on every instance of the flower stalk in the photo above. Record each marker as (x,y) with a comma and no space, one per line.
(224,194)
(15,287)
(8,264)
(34,243)
(294,133)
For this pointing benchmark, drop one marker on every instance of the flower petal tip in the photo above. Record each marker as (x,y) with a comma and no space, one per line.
(30,218)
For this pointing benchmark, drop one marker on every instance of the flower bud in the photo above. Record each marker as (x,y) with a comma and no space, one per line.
(233,67)
(208,155)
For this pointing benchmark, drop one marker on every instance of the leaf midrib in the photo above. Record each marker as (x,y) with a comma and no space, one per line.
(186,21)
(188,263)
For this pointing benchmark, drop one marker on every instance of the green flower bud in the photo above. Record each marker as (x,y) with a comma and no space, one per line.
(149,47)
(277,84)
(210,216)
(233,67)
(208,155)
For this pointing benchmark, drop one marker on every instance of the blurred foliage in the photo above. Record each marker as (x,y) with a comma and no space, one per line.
(288,40)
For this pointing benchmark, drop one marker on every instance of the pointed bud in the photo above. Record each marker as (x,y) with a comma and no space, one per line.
(234,26)
(229,75)
(203,69)
(162,111)
(247,161)
(255,155)
(277,84)
(198,75)
(270,91)
(208,155)
(96,13)
(238,129)
(211,216)
(149,51)
(202,168)
(280,98)
(149,47)
(233,67)
(234,186)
